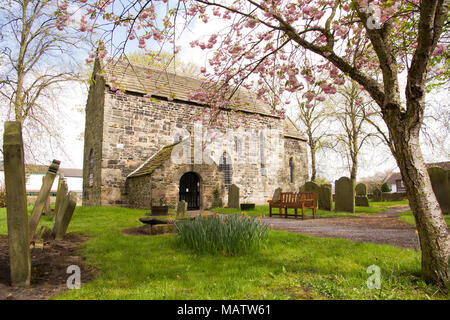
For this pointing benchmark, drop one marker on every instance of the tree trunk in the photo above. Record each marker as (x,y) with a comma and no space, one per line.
(312,147)
(430,223)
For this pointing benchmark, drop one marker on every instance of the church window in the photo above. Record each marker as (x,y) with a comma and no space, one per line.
(261,154)
(291,171)
(225,166)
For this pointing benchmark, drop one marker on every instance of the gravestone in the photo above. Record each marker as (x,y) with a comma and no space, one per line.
(181,209)
(344,195)
(65,215)
(325,197)
(441,188)
(377,195)
(60,194)
(42,197)
(277,194)
(16,205)
(312,186)
(233,196)
(361,195)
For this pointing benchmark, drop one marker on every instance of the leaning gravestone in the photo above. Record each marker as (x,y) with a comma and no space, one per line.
(181,209)
(233,196)
(312,186)
(325,197)
(16,205)
(441,188)
(65,215)
(277,194)
(42,197)
(60,194)
(344,195)
(361,195)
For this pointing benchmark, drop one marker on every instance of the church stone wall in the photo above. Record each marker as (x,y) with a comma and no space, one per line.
(135,128)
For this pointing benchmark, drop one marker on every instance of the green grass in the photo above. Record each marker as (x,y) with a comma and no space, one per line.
(290,266)
(408,217)
(375,207)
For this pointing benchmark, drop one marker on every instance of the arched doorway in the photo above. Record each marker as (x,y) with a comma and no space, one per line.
(190,190)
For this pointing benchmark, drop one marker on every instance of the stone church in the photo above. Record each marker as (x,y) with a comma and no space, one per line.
(140,151)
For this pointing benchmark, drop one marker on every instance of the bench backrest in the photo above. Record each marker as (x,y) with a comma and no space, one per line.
(297,197)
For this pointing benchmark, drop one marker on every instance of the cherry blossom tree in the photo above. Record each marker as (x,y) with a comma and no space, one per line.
(374,43)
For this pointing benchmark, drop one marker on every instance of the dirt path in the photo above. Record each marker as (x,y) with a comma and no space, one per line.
(383,228)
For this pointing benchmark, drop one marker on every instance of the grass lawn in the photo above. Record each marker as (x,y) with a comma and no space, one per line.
(408,217)
(290,266)
(375,207)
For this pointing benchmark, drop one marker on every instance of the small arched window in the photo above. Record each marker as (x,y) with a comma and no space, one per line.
(91,168)
(291,171)
(225,166)
(237,145)
(261,154)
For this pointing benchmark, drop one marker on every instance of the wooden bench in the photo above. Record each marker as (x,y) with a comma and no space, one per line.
(294,200)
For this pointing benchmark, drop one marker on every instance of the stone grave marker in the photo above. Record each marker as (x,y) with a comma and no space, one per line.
(377,195)
(233,196)
(441,188)
(361,195)
(62,221)
(42,197)
(16,208)
(325,197)
(181,209)
(312,186)
(344,195)
(60,194)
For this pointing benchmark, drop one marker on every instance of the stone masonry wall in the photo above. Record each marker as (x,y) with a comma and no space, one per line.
(93,136)
(135,128)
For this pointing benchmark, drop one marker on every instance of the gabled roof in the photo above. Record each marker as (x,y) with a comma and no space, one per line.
(165,84)
(154,161)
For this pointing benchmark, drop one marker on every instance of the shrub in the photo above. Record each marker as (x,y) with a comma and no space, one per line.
(228,235)
(385,187)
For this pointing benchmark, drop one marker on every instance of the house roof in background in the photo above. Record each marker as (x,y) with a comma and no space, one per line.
(42,169)
(397,176)
(133,78)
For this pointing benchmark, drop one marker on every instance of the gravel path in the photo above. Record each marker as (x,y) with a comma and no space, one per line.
(383,228)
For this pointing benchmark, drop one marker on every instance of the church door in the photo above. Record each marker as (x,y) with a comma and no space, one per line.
(190,190)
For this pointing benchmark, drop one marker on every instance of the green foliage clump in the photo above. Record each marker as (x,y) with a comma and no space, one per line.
(229,235)
(385,187)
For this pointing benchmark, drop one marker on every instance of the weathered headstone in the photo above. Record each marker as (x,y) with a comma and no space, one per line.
(325,197)
(60,194)
(377,195)
(16,208)
(233,196)
(42,197)
(65,215)
(277,194)
(441,187)
(181,209)
(312,186)
(361,195)
(46,211)
(344,195)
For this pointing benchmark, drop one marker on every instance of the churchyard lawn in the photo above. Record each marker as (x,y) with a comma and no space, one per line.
(289,266)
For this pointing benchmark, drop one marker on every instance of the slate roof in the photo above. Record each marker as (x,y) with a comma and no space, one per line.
(133,78)
(154,162)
